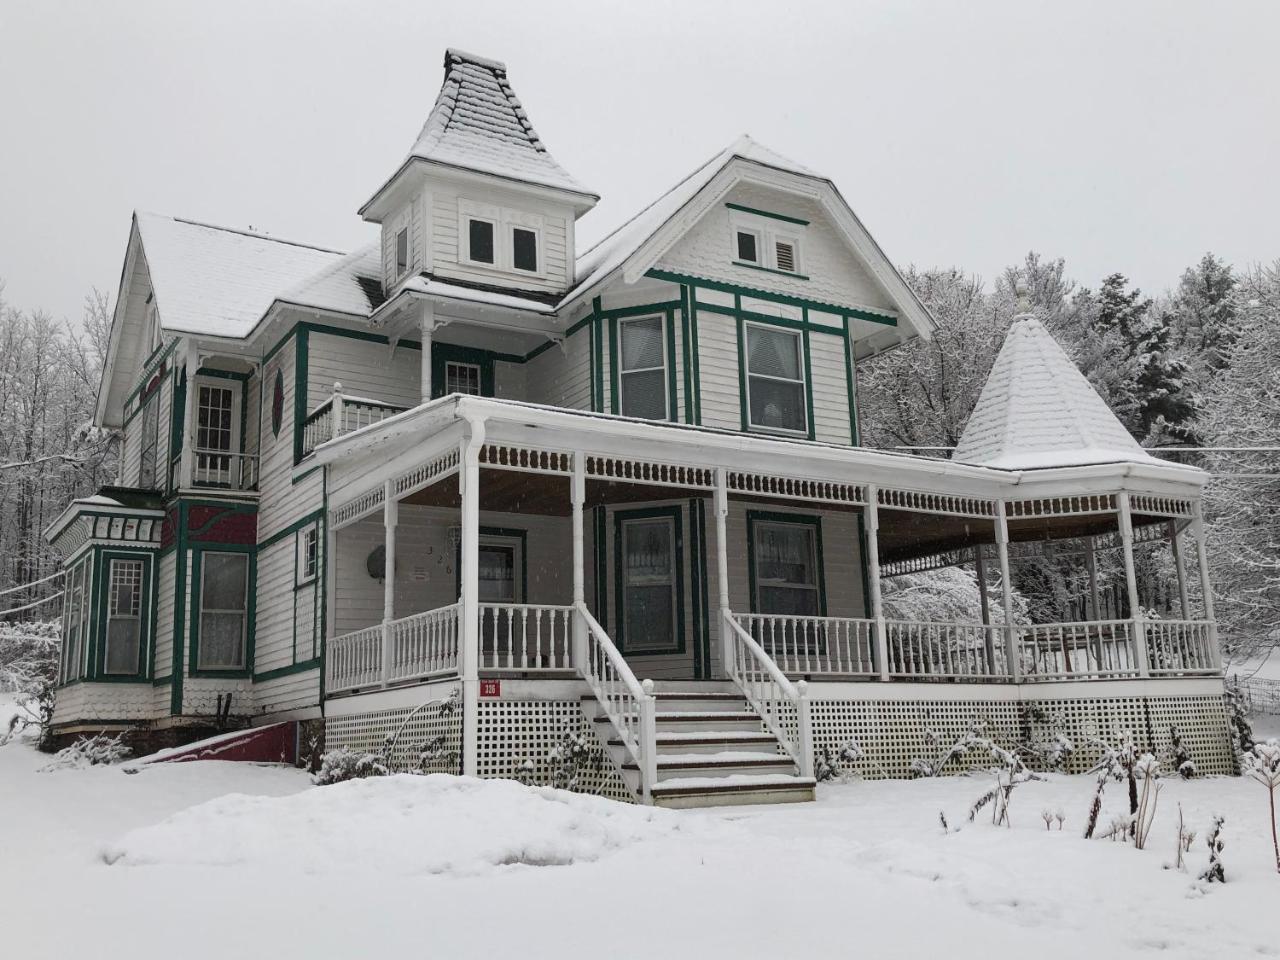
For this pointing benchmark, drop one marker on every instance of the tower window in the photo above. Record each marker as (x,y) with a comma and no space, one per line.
(480,241)
(524,249)
(748,246)
(402,252)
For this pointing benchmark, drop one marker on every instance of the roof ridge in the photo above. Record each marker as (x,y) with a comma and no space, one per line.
(246,233)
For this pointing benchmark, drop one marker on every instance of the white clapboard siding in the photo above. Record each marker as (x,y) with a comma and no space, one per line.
(562,377)
(165,568)
(510,381)
(294,691)
(274,634)
(830,388)
(364,368)
(718,370)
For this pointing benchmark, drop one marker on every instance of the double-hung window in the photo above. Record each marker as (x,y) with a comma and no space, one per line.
(75,620)
(649,584)
(643,369)
(224,611)
(462,378)
(150,441)
(124,617)
(786,568)
(308,554)
(480,237)
(776,393)
(215,435)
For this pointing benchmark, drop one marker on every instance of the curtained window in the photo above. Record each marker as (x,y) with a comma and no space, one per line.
(224,609)
(775,379)
(786,569)
(643,376)
(124,618)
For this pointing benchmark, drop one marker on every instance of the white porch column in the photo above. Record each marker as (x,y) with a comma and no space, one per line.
(187,465)
(1206,586)
(469,653)
(337,415)
(426,327)
(390,517)
(721,508)
(988,638)
(1095,601)
(577,497)
(1140,653)
(1006,594)
(872,494)
(1175,546)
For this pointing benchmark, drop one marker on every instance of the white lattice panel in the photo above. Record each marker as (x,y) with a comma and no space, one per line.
(368,732)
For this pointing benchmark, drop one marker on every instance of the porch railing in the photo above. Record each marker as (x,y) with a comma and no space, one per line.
(225,470)
(1180,647)
(400,651)
(629,704)
(814,646)
(517,636)
(925,650)
(354,660)
(340,415)
(1087,649)
(782,705)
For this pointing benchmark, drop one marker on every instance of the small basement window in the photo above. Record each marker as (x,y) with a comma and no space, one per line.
(748,246)
(480,240)
(402,251)
(524,249)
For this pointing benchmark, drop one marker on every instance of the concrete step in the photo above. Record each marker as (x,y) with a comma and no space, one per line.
(732,790)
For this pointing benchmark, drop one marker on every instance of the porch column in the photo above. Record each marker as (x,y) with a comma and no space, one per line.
(1095,602)
(469,653)
(1014,666)
(1175,546)
(390,517)
(187,465)
(1206,587)
(872,494)
(426,327)
(988,639)
(1140,653)
(721,508)
(577,497)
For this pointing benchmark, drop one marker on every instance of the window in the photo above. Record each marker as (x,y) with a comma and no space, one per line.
(748,242)
(480,240)
(786,568)
(150,440)
(649,584)
(402,251)
(785,255)
(643,376)
(124,618)
(215,434)
(75,622)
(308,554)
(498,562)
(224,609)
(775,380)
(524,249)
(462,378)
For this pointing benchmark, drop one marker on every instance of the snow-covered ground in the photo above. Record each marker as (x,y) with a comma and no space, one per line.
(221,860)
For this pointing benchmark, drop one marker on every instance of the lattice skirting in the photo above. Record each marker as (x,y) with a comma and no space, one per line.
(892,733)
(432,730)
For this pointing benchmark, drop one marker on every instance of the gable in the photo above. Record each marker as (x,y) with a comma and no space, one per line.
(128,347)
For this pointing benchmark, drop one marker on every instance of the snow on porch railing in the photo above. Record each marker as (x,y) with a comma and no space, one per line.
(924,650)
(340,415)
(629,704)
(842,646)
(516,636)
(1076,651)
(782,705)
(1181,646)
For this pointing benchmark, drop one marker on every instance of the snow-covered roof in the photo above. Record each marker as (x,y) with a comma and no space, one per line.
(217,281)
(478,123)
(495,298)
(1038,410)
(609,253)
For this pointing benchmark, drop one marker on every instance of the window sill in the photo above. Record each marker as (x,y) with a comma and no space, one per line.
(802,434)
(781,273)
(215,674)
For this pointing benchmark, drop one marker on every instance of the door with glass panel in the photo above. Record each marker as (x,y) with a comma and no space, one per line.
(500,586)
(786,574)
(217,429)
(649,605)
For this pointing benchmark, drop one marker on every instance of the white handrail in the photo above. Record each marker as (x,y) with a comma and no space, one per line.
(525,636)
(814,645)
(769,691)
(627,702)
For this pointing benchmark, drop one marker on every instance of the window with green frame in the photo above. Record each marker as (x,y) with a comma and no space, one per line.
(223,611)
(649,579)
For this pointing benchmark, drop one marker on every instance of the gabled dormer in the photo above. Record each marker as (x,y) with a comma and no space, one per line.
(479,199)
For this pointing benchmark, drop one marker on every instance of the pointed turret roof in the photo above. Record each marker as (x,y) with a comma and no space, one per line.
(478,123)
(1038,410)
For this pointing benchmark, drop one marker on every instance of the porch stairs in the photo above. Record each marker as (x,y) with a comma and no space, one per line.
(712,750)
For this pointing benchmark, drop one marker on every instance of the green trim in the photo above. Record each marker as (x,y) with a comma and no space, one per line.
(443,354)
(197,564)
(510,533)
(698,588)
(301,387)
(723,287)
(599,535)
(179,609)
(770,318)
(302,667)
(796,519)
(99,587)
(648,513)
(862,562)
(613,364)
(304,521)
(177,426)
(222,374)
(697,356)
(685,354)
(808,377)
(597,332)
(851,381)
(673,404)
(591,365)
(765,213)
(149,368)
(781,273)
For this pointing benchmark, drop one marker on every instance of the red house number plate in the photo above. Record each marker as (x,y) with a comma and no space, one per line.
(490,688)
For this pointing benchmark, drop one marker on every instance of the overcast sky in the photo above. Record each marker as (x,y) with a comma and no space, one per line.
(1121,136)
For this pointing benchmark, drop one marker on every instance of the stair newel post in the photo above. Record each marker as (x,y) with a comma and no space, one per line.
(578,496)
(336,412)
(390,517)
(648,741)
(872,520)
(805,719)
(1124,513)
(721,509)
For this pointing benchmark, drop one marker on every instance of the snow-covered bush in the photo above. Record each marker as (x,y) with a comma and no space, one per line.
(344,764)
(1147,773)
(1180,755)
(1115,762)
(1214,872)
(1264,767)
(29,666)
(1010,773)
(835,764)
(942,753)
(1053,748)
(97,750)
(571,757)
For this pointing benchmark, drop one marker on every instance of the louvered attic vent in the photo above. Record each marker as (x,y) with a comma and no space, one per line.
(786,256)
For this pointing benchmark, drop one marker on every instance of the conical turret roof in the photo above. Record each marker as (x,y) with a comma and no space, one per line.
(1038,410)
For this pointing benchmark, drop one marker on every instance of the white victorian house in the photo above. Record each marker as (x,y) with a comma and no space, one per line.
(616,493)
